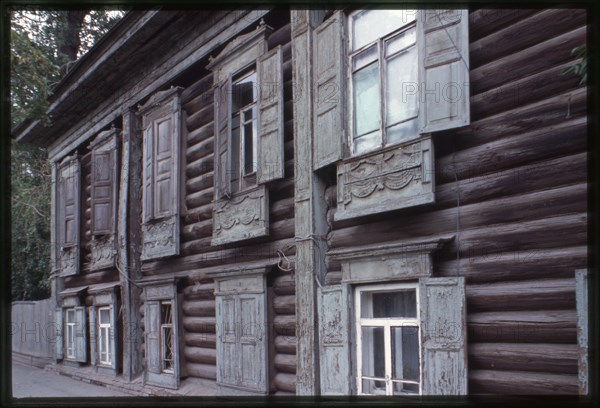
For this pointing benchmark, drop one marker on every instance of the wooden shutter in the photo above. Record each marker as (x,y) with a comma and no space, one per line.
(103,185)
(443,336)
(148,153)
(80,334)
(94,332)
(223,139)
(443,47)
(333,340)
(59,344)
(252,342)
(68,216)
(165,149)
(270,117)
(152,328)
(227,355)
(329,91)
(114,335)
(581,297)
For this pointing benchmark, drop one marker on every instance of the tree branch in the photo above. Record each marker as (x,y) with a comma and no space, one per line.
(33,207)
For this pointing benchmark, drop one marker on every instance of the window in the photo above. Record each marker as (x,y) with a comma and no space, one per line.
(244,131)
(166,337)
(383,67)
(70,333)
(387,345)
(104,336)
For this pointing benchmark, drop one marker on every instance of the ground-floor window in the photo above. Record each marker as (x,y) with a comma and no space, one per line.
(70,331)
(166,337)
(388,340)
(104,341)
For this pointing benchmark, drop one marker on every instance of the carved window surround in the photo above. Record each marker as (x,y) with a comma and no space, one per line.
(389,179)
(105,295)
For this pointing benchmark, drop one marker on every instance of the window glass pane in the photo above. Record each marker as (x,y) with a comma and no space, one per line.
(367,142)
(244,92)
(402,388)
(365,57)
(249,165)
(402,303)
(165,313)
(376,387)
(167,342)
(70,316)
(104,316)
(401,87)
(235,157)
(402,132)
(372,24)
(366,100)
(400,41)
(373,352)
(405,353)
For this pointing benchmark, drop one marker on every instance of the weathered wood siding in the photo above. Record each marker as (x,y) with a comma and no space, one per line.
(512,187)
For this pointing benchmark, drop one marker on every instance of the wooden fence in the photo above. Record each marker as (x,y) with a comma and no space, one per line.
(33,332)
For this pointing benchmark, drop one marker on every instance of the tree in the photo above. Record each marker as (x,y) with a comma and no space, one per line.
(44,45)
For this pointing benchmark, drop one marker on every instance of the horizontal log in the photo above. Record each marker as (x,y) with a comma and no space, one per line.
(197,88)
(197,230)
(198,214)
(285,325)
(199,291)
(284,284)
(89,278)
(196,184)
(284,304)
(333,277)
(547,326)
(522,383)
(281,36)
(522,295)
(568,137)
(199,324)
(285,382)
(285,344)
(200,118)
(200,166)
(519,264)
(517,93)
(485,21)
(285,363)
(200,198)
(205,340)
(198,308)
(207,371)
(200,101)
(524,33)
(548,358)
(281,209)
(280,393)
(202,133)
(554,51)
(200,355)
(199,150)
(535,176)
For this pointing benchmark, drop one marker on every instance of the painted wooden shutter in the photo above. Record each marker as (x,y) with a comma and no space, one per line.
(59,344)
(80,334)
(227,354)
(69,216)
(333,340)
(582,304)
(114,335)
(94,347)
(443,336)
(223,138)
(270,117)
(252,342)
(103,184)
(443,47)
(329,91)
(148,183)
(165,148)
(152,327)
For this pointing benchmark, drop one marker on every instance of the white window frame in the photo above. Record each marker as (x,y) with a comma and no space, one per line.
(104,340)
(387,324)
(380,41)
(163,339)
(70,333)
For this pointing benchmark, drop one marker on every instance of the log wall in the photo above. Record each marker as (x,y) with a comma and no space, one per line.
(513,189)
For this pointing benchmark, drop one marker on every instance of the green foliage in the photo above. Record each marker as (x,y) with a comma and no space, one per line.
(579,69)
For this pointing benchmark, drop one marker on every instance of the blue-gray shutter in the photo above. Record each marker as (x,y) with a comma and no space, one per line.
(152,328)
(59,342)
(443,336)
(334,345)
(94,357)
(148,170)
(222,125)
(80,334)
(443,47)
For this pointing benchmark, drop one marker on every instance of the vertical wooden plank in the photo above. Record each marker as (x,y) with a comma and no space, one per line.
(581,297)
(227,351)
(80,334)
(443,48)
(148,157)
(94,347)
(152,329)
(114,334)
(59,342)
(270,117)
(442,312)
(329,91)
(222,138)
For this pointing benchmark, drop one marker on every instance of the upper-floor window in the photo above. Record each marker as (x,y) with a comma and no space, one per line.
(244,131)
(384,71)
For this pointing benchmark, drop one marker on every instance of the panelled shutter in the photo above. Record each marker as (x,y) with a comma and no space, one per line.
(443,47)
(94,336)
(165,188)
(223,138)
(80,334)
(114,335)
(334,347)
(68,216)
(270,117)
(227,355)
(148,152)
(443,336)
(103,185)
(252,341)
(329,91)
(152,327)
(59,342)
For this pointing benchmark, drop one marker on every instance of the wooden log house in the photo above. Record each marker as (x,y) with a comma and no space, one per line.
(324,202)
